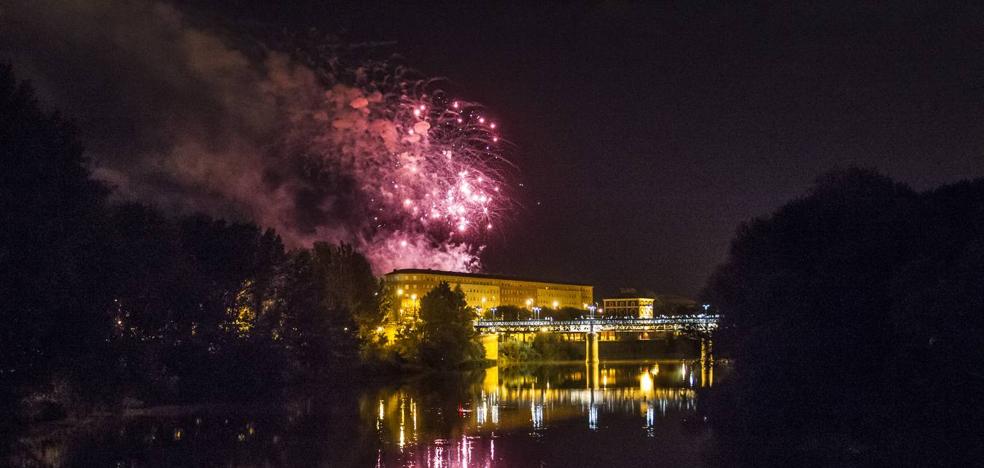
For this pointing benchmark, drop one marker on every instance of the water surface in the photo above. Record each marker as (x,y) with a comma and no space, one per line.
(556,414)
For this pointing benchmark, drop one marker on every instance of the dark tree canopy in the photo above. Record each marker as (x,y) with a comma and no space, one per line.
(509,312)
(50,254)
(161,306)
(447,335)
(350,285)
(826,300)
(567,313)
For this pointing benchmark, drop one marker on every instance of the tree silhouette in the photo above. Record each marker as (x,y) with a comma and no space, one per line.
(50,260)
(448,337)
(836,308)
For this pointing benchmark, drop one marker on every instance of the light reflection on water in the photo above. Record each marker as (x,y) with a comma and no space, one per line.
(521,408)
(563,414)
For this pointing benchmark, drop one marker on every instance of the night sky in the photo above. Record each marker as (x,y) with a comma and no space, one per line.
(646,134)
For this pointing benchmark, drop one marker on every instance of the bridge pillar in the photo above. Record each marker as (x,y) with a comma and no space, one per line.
(591,347)
(490,342)
(706,362)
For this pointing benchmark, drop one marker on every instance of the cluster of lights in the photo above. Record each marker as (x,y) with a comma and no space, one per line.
(444,176)
(399,293)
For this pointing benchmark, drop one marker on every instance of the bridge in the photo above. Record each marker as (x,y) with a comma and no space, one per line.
(700,325)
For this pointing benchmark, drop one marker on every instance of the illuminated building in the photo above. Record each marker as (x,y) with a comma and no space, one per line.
(639,307)
(487,291)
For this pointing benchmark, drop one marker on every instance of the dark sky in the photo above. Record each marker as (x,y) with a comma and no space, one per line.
(646,134)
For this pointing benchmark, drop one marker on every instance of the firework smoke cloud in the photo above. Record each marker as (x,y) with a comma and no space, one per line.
(367,154)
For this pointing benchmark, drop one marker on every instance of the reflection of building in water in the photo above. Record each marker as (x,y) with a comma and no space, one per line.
(601,390)
(650,390)
(522,399)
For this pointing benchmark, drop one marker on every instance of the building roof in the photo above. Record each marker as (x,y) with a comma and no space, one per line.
(480,275)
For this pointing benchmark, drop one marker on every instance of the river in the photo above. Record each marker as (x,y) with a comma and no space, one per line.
(642,413)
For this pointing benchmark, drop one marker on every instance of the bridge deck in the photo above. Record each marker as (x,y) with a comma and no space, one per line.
(676,323)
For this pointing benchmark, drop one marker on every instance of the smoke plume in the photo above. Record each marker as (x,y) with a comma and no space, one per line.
(176,115)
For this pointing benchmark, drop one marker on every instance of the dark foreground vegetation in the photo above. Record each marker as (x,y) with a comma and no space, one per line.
(856,319)
(108,304)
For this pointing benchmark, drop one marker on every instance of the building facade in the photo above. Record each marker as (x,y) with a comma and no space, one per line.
(636,307)
(486,291)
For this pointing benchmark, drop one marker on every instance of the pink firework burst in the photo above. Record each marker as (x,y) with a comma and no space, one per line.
(430,168)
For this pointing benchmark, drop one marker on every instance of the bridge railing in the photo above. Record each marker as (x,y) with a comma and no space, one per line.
(697,322)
